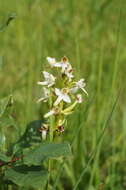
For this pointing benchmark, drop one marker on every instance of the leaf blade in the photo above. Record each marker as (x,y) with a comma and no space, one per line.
(29,177)
(46,151)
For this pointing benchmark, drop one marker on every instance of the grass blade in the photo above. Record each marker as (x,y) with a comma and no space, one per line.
(98,143)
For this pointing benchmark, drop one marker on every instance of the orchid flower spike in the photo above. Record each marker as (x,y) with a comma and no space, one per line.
(62,96)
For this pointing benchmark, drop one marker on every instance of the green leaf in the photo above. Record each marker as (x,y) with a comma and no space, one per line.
(45,151)
(4,158)
(31,136)
(4,103)
(29,177)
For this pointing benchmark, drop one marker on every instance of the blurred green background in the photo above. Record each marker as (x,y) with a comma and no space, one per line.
(92,34)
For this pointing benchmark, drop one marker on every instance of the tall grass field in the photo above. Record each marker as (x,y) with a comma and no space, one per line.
(92,34)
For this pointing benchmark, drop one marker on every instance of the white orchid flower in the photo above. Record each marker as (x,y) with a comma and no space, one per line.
(51,112)
(49,79)
(69,74)
(79,85)
(51,61)
(62,95)
(45,95)
(63,64)
(54,111)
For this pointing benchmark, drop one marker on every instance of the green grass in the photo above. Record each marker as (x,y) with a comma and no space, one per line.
(92,34)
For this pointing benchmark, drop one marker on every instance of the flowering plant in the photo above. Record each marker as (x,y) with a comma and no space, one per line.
(26,160)
(61,93)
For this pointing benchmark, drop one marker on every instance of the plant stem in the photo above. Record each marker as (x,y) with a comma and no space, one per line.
(51,140)
(51,125)
(51,128)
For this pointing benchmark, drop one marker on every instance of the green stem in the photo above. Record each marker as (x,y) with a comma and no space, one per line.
(51,121)
(51,128)
(51,140)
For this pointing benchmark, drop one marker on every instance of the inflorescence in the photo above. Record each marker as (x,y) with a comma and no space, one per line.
(61,93)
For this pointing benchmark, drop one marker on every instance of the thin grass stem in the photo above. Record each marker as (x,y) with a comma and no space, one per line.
(99,141)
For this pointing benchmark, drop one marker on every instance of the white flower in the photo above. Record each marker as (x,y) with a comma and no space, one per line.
(51,112)
(69,74)
(67,68)
(45,96)
(51,61)
(79,98)
(79,85)
(62,95)
(64,64)
(49,79)
(54,111)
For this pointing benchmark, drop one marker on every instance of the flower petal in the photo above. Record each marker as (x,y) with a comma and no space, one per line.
(69,75)
(66,98)
(58,64)
(74,90)
(46,75)
(58,100)
(42,83)
(58,92)
(51,61)
(49,113)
